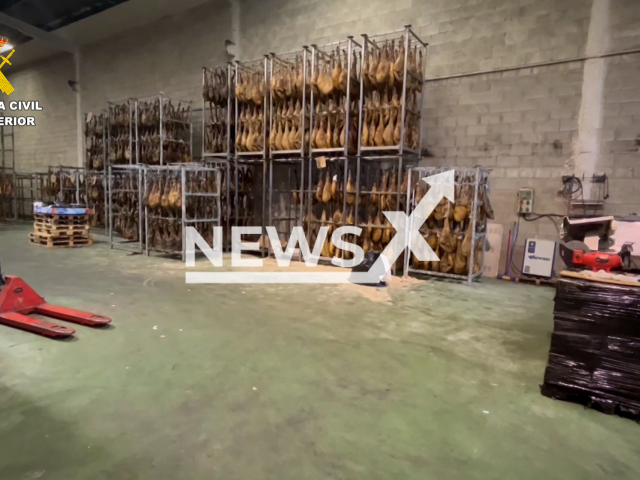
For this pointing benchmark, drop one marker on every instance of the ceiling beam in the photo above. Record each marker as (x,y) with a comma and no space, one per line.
(35,32)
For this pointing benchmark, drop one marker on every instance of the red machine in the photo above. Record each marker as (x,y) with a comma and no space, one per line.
(18,300)
(596,260)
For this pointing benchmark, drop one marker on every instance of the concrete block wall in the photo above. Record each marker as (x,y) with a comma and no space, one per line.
(53,140)
(166,55)
(523,123)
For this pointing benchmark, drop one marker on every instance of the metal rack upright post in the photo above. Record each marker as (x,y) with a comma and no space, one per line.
(124,186)
(252,121)
(218,135)
(7,194)
(7,174)
(28,190)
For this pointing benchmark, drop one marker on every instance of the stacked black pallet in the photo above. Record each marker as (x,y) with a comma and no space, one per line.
(594,358)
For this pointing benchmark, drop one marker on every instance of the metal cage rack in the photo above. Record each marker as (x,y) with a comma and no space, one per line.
(7,147)
(121,132)
(285,196)
(46,193)
(347,191)
(289,104)
(95,140)
(251,108)
(335,97)
(164,131)
(96,198)
(461,249)
(218,111)
(391,98)
(7,194)
(240,194)
(67,184)
(125,210)
(249,198)
(177,197)
(29,188)
(325,201)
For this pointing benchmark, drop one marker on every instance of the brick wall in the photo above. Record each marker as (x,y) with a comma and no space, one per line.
(521,123)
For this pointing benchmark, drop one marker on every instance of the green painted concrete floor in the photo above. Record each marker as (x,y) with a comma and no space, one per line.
(430,381)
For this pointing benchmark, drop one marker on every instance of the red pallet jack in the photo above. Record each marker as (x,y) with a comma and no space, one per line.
(18,300)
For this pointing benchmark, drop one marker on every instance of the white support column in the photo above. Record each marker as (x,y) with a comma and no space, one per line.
(586,150)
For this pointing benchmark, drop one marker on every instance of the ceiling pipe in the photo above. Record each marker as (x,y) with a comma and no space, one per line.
(35,32)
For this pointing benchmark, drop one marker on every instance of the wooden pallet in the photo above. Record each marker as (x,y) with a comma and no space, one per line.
(62,219)
(46,228)
(63,235)
(525,279)
(59,242)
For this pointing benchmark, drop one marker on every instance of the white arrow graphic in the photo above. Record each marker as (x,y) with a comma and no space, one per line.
(407,229)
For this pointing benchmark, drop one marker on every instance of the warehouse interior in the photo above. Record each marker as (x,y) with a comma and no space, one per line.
(511,353)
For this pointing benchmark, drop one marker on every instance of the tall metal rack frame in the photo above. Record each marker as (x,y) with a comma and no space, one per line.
(480,175)
(44,180)
(7,146)
(401,149)
(319,54)
(29,188)
(224,159)
(99,173)
(335,165)
(183,171)
(162,126)
(261,172)
(112,129)
(230,117)
(8,203)
(76,191)
(7,150)
(284,60)
(258,158)
(234,193)
(93,139)
(253,67)
(136,246)
(229,176)
(292,196)
(90,201)
(364,173)
(280,207)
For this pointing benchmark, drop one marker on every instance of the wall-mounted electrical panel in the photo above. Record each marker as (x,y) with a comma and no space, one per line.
(525,200)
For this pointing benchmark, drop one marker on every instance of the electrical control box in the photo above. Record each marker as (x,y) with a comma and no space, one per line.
(525,200)
(539,257)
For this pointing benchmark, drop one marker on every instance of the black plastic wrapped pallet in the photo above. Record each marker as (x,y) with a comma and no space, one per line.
(594,357)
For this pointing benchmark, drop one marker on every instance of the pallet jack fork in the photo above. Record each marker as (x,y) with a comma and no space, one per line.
(18,300)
